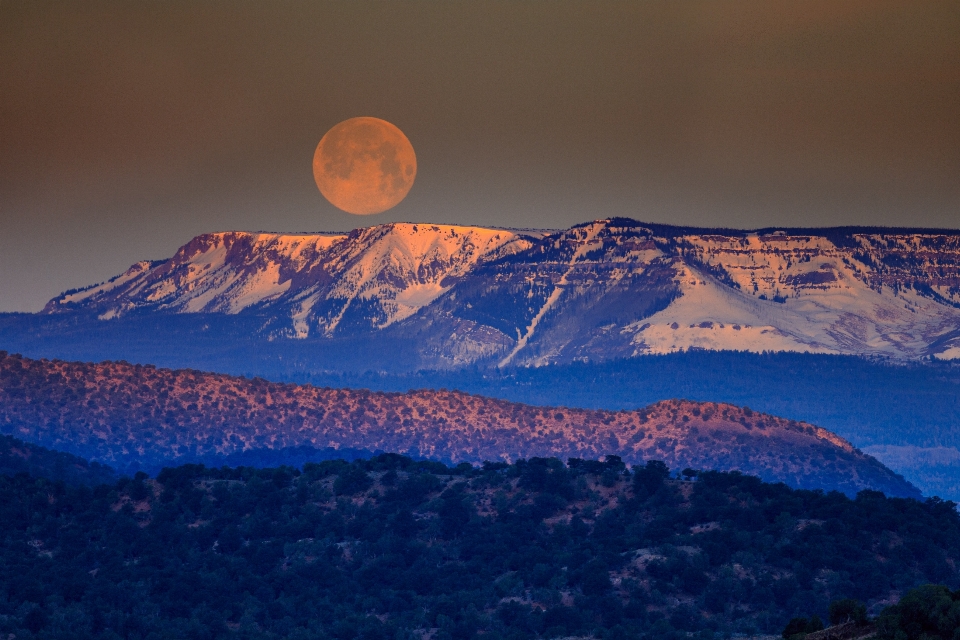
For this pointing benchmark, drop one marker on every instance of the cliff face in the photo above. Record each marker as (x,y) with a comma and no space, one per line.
(121,413)
(606,289)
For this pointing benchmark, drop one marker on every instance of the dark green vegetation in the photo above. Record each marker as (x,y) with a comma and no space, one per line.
(930,612)
(390,547)
(799,627)
(848,613)
(17,456)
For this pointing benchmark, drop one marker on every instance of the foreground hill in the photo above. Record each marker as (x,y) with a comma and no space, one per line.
(121,413)
(414,296)
(397,549)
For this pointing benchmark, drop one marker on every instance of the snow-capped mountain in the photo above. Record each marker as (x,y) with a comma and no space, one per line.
(610,288)
(894,295)
(311,279)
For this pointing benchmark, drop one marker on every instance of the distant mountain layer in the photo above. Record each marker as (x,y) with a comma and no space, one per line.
(441,296)
(17,456)
(118,413)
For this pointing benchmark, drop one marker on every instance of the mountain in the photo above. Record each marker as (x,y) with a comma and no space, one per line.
(397,548)
(121,413)
(371,277)
(17,456)
(415,296)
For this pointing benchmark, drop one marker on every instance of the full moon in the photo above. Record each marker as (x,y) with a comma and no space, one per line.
(364,166)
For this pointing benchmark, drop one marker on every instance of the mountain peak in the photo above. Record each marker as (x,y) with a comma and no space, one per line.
(232,271)
(607,288)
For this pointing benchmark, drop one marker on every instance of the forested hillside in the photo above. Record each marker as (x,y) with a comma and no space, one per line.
(907,415)
(121,413)
(392,548)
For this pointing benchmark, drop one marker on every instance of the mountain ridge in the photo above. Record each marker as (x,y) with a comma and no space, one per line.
(606,289)
(117,413)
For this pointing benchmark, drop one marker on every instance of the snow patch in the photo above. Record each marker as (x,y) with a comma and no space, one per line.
(849,317)
(587,244)
(953,353)
(662,339)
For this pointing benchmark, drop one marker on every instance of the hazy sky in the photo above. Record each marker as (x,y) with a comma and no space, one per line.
(126,128)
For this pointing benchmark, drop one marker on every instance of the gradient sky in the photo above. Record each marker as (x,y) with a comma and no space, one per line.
(126,128)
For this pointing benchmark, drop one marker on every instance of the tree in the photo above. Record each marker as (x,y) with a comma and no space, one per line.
(925,613)
(799,627)
(848,610)
(351,480)
(649,478)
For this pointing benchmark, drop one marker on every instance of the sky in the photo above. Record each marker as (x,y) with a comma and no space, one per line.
(127,128)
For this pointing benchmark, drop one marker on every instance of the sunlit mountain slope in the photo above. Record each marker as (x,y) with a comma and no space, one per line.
(457,296)
(118,413)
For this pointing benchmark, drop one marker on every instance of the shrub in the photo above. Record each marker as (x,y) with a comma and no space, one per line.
(799,627)
(848,610)
(351,480)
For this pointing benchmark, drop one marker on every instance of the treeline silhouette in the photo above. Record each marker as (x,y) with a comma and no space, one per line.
(392,547)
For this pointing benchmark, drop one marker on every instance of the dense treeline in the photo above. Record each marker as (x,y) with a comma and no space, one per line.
(930,612)
(393,548)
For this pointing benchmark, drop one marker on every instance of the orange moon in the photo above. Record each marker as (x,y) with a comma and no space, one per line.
(364,166)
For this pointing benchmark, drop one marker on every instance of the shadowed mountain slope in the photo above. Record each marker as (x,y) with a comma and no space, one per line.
(17,456)
(121,413)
